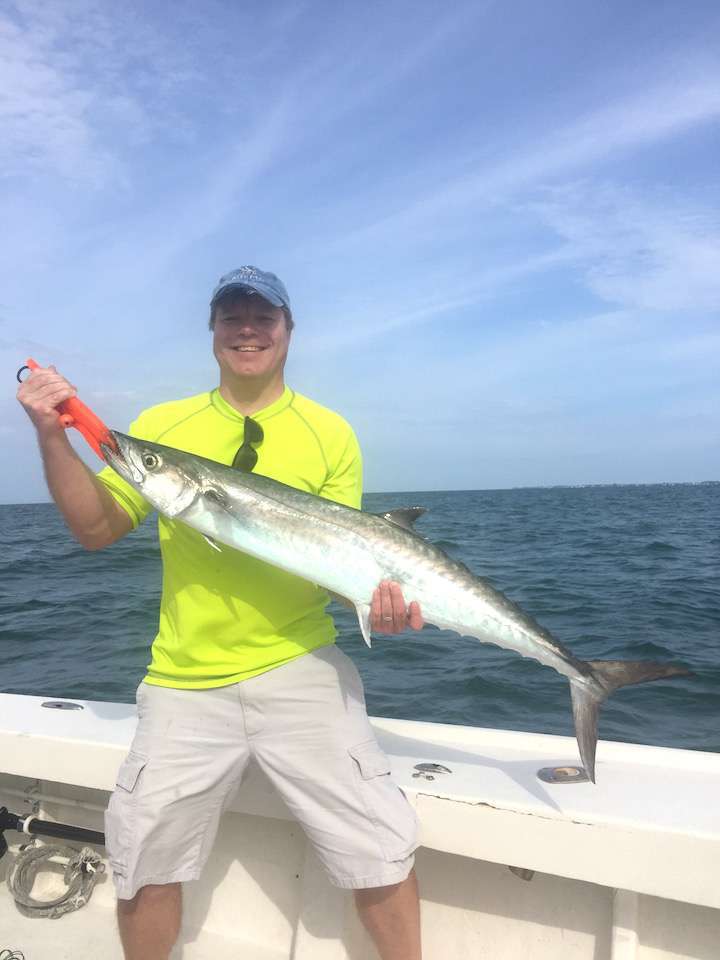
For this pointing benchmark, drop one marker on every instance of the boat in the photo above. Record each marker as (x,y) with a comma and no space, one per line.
(521,857)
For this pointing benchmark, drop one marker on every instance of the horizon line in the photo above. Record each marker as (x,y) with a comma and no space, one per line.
(531,486)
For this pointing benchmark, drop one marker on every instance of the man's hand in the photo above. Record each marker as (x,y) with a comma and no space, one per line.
(40,394)
(388,613)
(95,519)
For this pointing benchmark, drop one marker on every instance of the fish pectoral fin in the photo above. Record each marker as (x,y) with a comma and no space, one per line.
(363,612)
(212,543)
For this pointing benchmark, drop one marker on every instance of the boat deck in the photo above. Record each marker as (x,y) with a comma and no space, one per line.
(632,860)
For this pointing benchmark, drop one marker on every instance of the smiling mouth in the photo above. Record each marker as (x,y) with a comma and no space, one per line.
(248,349)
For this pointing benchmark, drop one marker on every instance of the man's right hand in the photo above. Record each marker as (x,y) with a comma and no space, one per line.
(40,394)
(93,516)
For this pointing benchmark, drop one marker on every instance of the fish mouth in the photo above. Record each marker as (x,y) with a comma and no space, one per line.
(120,458)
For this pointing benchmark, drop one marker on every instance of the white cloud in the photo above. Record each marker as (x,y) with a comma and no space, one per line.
(423,304)
(80,86)
(663,111)
(42,110)
(650,251)
(147,244)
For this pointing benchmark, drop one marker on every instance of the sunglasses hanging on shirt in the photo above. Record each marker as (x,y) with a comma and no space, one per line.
(247,456)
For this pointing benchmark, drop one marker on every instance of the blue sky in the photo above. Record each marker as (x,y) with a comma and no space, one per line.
(498,222)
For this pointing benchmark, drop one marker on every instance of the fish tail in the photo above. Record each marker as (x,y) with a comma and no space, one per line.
(589,693)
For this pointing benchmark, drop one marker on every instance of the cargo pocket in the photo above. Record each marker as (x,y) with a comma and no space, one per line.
(120,814)
(389,811)
(370,759)
(130,770)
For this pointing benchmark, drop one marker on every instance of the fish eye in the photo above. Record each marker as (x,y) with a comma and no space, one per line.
(150,461)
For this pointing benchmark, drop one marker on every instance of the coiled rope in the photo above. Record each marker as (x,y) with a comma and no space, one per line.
(82,869)
(11,955)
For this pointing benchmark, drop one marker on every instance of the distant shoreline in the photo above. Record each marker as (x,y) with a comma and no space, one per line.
(550,486)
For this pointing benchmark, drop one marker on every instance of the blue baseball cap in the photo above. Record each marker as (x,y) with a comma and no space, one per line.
(254,281)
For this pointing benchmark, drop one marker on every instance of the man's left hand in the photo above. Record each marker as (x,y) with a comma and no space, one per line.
(388,613)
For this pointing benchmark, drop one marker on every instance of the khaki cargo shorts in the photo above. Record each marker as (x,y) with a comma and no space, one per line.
(306,726)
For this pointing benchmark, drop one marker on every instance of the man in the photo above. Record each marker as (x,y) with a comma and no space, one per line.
(244,664)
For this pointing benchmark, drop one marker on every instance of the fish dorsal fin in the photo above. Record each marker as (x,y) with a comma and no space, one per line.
(403,517)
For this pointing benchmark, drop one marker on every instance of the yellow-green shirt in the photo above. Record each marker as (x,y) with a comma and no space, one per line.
(226,616)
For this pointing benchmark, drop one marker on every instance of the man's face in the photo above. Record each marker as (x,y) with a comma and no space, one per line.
(250,338)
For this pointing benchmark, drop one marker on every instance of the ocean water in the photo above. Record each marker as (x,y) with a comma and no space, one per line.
(629,572)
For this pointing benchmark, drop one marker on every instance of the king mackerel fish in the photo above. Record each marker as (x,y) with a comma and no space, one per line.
(349,552)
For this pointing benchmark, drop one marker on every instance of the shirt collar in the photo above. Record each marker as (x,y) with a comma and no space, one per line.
(223,407)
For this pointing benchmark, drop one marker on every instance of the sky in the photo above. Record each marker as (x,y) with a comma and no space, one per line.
(499,223)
